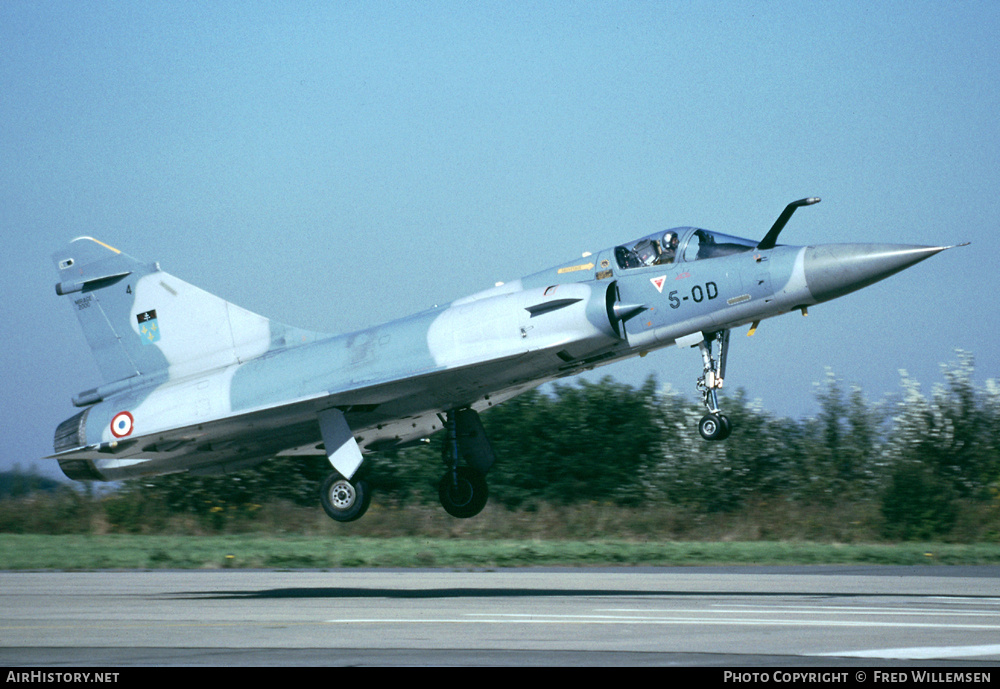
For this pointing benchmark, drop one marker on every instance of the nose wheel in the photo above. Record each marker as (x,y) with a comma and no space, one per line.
(714,425)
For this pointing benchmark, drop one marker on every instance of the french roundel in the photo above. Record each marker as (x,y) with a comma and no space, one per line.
(121,425)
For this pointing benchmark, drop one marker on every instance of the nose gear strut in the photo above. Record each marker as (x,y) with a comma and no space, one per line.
(714,425)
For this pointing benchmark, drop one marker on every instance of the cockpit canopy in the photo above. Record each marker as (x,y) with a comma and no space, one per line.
(680,244)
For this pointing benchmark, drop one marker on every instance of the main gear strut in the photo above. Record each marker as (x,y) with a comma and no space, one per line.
(463,489)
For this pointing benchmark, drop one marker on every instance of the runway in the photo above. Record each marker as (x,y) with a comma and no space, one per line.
(695,616)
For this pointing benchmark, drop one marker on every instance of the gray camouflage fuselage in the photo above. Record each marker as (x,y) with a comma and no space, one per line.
(194,383)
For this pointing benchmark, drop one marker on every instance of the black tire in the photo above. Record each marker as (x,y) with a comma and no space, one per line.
(727,427)
(712,427)
(343,500)
(468,497)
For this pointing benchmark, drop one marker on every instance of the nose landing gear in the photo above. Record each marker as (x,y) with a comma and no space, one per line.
(714,425)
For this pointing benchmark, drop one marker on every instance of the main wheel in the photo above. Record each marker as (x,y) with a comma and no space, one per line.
(343,500)
(714,427)
(465,497)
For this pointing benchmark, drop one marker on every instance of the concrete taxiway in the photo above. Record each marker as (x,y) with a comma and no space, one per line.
(732,616)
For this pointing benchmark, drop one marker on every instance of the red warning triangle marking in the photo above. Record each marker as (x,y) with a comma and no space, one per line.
(658,283)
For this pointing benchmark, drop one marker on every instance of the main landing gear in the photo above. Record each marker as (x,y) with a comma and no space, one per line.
(463,490)
(467,455)
(344,500)
(714,425)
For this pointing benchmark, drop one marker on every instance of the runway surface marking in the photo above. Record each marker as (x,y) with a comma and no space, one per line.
(735,614)
(535,618)
(815,609)
(921,653)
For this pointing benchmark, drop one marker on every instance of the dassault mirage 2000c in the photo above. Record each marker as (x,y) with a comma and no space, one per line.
(194,383)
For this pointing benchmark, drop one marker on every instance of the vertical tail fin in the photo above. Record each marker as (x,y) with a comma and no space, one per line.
(141,321)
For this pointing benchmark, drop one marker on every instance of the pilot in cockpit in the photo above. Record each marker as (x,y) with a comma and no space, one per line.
(668,247)
(652,252)
(649,251)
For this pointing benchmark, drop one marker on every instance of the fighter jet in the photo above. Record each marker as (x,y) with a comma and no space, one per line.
(194,383)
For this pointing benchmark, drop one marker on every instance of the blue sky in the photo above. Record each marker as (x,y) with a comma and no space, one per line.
(338,164)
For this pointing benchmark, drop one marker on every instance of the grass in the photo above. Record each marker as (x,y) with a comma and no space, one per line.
(81,533)
(78,552)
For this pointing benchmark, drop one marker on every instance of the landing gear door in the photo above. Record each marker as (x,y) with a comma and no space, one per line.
(341,448)
(473,443)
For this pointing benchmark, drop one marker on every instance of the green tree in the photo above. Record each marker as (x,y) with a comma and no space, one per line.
(844,442)
(757,460)
(942,449)
(584,442)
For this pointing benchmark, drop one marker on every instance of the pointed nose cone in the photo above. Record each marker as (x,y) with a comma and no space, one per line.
(833,270)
